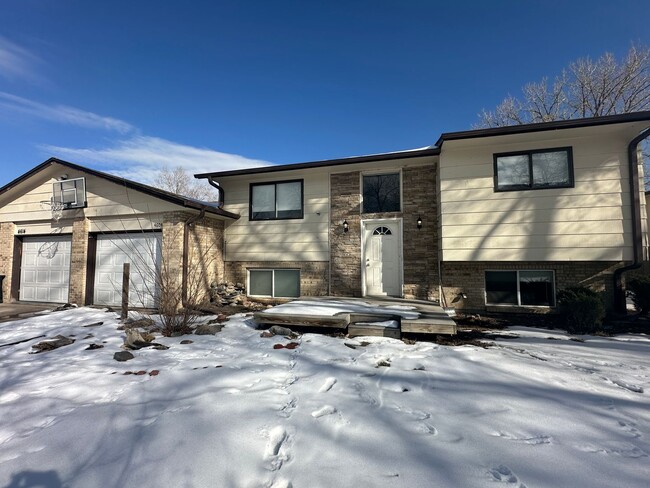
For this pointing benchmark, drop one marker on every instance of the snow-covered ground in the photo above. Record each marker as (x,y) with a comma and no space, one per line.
(231,411)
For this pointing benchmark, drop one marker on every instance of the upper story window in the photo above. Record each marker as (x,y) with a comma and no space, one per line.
(529,170)
(381,193)
(276,201)
(71,193)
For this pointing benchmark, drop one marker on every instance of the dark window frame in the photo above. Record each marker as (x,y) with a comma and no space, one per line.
(276,183)
(518,283)
(383,173)
(273,270)
(531,184)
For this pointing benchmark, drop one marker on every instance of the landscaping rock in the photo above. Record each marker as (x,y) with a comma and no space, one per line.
(93,346)
(123,356)
(186,341)
(50,344)
(144,323)
(205,329)
(136,339)
(283,331)
(159,347)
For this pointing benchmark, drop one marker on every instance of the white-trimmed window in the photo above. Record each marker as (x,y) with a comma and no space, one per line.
(523,288)
(276,283)
(71,193)
(381,193)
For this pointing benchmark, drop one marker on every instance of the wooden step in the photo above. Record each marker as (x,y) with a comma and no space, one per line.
(361,329)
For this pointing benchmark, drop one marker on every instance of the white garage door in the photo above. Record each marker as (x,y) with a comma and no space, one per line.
(142,252)
(45,269)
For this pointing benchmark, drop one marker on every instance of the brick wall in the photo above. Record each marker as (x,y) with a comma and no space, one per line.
(78,262)
(205,257)
(7,231)
(313,274)
(345,247)
(469,278)
(420,246)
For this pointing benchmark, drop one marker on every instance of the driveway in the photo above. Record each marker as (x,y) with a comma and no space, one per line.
(14,311)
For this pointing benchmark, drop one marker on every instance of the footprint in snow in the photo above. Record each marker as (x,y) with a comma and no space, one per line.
(282,483)
(327,386)
(325,410)
(277,437)
(622,449)
(533,440)
(288,408)
(504,474)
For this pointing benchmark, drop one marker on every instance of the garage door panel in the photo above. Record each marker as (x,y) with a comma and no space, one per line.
(45,269)
(142,251)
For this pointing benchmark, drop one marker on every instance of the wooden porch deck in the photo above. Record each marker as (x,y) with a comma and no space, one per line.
(359,316)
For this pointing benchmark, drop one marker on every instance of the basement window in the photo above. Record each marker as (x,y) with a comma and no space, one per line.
(533,170)
(71,193)
(275,283)
(520,288)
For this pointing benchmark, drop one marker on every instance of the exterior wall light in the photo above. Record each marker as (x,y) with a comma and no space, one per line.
(346,226)
(419,222)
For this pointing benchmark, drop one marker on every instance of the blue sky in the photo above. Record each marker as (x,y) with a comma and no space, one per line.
(128,86)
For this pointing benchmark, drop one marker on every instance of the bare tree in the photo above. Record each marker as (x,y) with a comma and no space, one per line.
(179,181)
(586,88)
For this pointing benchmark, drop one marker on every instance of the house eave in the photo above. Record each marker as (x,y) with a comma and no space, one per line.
(417,153)
(149,190)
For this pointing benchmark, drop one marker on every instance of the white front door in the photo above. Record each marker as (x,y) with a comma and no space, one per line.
(45,269)
(142,251)
(382,257)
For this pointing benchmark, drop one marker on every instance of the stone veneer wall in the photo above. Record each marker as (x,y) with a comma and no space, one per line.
(420,246)
(469,278)
(313,274)
(7,231)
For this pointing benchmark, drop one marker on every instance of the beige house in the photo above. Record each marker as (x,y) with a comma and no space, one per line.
(493,219)
(66,230)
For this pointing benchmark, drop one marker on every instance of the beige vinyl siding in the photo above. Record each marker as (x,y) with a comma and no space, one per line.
(305,239)
(106,200)
(589,222)
(293,240)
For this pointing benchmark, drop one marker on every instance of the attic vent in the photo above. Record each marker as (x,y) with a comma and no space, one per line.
(70,193)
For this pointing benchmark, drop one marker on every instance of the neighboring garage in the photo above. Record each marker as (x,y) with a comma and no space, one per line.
(45,269)
(67,230)
(143,252)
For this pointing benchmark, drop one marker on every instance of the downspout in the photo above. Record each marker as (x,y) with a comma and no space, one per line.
(635,207)
(219,190)
(186,252)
